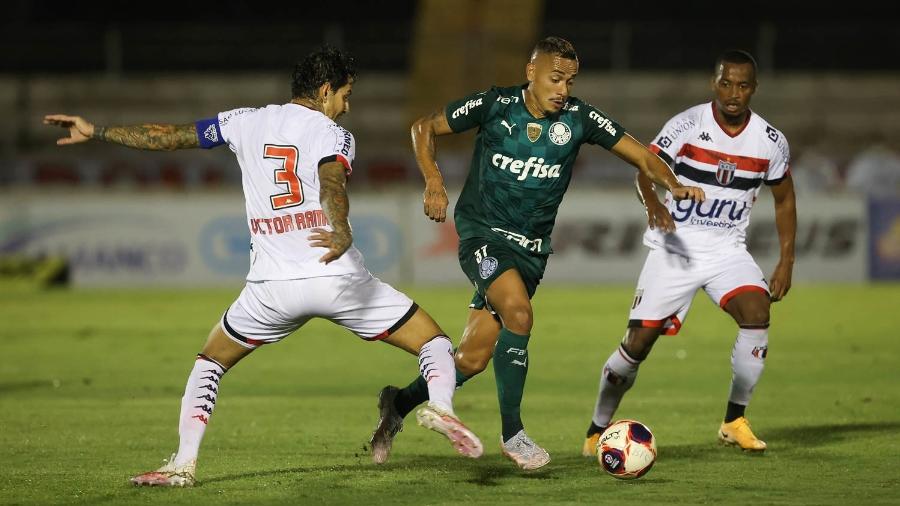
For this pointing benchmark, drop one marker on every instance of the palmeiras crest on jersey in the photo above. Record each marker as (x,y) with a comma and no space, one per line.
(534,131)
(725,172)
(559,133)
(487,267)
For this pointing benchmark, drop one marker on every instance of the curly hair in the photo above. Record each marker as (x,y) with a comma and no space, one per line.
(325,64)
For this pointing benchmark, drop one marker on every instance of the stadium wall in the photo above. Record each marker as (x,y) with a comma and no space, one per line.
(186,239)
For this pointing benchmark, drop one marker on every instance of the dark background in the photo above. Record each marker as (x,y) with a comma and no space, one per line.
(47,37)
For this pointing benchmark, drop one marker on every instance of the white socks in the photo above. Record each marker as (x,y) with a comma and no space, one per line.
(437,367)
(197,406)
(747,362)
(618,375)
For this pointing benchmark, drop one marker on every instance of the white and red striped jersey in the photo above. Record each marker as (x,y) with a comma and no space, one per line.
(729,168)
(279,149)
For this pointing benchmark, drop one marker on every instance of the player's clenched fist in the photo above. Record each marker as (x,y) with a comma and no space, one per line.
(436,202)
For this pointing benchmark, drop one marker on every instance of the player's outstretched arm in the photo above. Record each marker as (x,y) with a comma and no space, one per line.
(786,224)
(656,170)
(423,133)
(336,206)
(658,215)
(151,136)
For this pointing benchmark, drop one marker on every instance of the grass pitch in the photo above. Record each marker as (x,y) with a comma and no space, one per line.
(90,385)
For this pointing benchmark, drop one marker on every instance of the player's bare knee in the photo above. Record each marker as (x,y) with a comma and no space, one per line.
(223,349)
(471,363)
(753,315)
(757,319)
(639,341)
(518,319)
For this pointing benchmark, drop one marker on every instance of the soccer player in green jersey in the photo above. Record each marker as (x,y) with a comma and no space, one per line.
(527,141)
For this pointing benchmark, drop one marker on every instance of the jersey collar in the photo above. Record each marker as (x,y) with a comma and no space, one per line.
(722,127)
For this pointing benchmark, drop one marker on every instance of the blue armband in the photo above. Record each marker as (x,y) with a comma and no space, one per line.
(208,133)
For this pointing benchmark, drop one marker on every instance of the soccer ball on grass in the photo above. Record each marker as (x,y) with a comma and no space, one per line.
(627,449)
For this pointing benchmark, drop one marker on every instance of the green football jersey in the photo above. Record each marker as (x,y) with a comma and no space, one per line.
(522,165)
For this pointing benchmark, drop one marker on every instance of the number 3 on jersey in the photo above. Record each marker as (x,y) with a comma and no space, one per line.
(286,175)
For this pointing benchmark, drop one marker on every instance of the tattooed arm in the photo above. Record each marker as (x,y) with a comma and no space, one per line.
(333,195)
(154,137)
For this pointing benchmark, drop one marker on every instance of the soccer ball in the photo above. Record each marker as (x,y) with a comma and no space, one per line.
(627,449)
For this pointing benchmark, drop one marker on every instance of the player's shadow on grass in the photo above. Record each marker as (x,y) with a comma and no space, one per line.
(821,435)
(785,439)
(487,471)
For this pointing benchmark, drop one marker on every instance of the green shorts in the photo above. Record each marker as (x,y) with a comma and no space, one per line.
(484,259)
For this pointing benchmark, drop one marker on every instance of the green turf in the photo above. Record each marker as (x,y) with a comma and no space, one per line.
(90,383)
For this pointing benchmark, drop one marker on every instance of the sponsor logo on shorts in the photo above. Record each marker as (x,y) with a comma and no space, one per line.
(487,267)
(638,295)
(521,240)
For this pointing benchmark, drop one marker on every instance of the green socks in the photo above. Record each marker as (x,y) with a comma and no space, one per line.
(510,369)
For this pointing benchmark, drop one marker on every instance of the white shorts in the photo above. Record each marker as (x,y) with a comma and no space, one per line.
(267,311)
(668,282)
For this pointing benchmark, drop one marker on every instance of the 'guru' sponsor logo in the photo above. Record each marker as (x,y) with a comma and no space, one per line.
(715,209)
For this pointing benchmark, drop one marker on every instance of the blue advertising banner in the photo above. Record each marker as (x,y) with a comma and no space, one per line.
(884,239)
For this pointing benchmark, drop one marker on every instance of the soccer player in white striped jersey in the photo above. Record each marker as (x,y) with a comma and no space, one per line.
(295,161)
(729,151)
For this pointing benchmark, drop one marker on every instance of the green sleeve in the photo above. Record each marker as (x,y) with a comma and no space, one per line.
(471,111)
(599,128)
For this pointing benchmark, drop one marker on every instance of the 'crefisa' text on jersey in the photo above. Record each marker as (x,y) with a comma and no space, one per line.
(522,165)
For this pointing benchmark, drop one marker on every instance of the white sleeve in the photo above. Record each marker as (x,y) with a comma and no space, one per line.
(779,164)
(229,123)
(335,144)
(673,135)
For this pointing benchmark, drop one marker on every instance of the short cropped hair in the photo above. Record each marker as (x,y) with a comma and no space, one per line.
(736,56)
(325,64)
(556,46)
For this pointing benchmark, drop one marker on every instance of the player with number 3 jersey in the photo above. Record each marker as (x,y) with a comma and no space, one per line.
(295,161)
